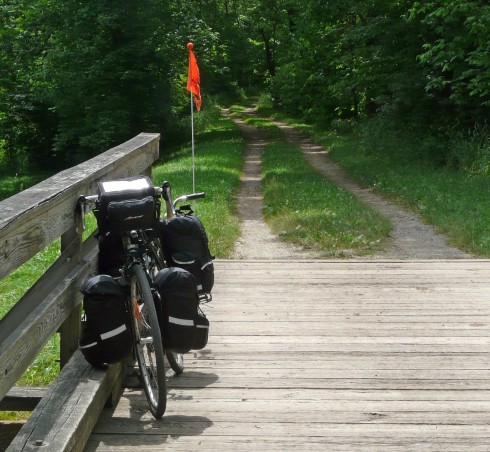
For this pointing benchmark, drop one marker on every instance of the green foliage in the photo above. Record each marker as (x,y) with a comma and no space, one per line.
(46,366)
(418,65)
(470,151)
(265,102)
(457,53)
(399,162)
(219,157)
(13,184)
(80,77)
(108,76)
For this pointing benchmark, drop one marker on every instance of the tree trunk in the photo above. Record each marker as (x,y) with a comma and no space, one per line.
(269,57)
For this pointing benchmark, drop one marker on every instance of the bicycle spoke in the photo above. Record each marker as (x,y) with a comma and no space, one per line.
(148,343)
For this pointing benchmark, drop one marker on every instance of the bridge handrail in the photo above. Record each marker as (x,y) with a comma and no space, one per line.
(33,219)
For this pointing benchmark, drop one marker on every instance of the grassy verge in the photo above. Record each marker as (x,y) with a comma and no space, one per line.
(401,167)
(457,203)
(11,185)
(219,153)
(46,366)
(305,208)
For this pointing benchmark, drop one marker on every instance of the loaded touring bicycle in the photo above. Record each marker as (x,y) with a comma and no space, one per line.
(154,273)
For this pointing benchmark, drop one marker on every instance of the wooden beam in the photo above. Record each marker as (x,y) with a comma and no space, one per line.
(34,218)
(22,398)
(64,418)
(33,320)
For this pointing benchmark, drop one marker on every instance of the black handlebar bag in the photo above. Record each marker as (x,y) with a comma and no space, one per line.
(127,204)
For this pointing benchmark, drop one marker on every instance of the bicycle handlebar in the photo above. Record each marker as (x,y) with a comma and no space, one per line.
(164,191)
(189,197)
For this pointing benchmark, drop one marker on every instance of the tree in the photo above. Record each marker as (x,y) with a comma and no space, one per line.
(109,80)
(27,124)
(456,55)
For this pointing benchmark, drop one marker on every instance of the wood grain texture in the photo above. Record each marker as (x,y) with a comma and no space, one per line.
(330,356)
(29,221)
(37,316)
(33,218)
(63,419)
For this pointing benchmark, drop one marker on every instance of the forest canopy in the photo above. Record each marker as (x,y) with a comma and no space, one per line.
(78,77)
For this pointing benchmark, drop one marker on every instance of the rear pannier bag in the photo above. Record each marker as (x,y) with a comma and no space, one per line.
(127,204)
(105,336)
(185,245)
(184,326)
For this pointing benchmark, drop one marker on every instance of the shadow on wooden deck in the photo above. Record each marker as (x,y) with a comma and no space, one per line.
(331,355)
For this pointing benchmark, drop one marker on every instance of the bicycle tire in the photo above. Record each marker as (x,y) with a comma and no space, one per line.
(147,342)
(176,361)
(156,263)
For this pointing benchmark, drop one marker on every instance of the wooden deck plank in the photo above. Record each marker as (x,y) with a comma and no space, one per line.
(334,355)
(281,444)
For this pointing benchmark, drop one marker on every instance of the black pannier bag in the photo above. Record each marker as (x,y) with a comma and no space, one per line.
(105,336)
(111,254)
(184,326)
(127,204)
(185,245)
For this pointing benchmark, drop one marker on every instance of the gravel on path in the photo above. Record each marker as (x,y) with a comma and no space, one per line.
(410,238)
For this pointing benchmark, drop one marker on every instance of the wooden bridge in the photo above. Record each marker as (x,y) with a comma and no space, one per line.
(328,356)
(308,355)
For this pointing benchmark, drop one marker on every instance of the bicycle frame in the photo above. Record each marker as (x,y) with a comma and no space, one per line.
(142,260)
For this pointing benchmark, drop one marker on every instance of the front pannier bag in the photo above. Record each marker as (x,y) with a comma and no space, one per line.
(127,204)
(185,245)
(111,254)
(105,337)
(183,325)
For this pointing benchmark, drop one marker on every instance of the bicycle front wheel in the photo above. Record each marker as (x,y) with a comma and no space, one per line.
(147,341)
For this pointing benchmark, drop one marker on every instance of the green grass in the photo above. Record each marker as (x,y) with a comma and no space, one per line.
(237,108)
(305,208)
(11,185)
(219,158)
(456,202)
(45,368)
(219,154)
(270,130)
(403,166)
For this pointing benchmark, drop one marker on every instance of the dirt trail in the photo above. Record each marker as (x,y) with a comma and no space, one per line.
(409,239)
(257,240)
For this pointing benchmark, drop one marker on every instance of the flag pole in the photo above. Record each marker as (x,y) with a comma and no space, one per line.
(193,81)
(192,133)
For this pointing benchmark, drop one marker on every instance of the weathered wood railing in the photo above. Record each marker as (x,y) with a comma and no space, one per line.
(29,221)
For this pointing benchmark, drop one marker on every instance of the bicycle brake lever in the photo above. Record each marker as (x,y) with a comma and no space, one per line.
(166,193)
(80,215)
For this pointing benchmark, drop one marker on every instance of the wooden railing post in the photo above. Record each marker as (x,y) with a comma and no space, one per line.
(71,242)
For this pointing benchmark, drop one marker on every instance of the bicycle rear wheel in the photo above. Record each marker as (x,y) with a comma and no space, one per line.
(156,262)
(148,342)
(176,361)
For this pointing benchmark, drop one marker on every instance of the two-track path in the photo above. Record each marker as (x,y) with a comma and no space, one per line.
(308,354)
(410,238)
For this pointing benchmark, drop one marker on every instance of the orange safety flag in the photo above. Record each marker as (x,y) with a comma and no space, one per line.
(193,79)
